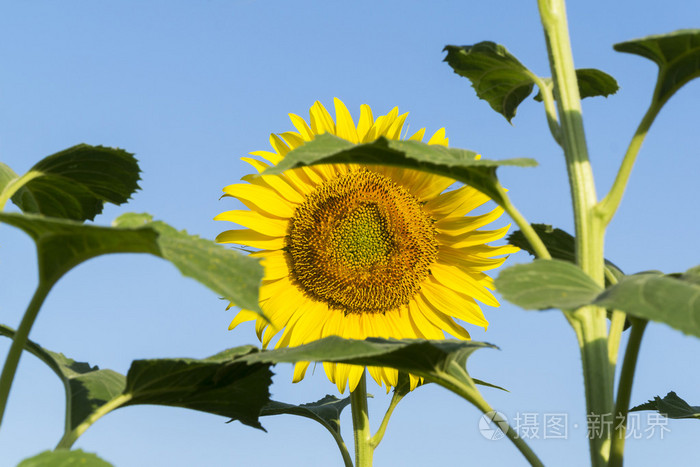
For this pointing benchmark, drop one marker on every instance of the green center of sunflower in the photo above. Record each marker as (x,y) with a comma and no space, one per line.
(361,243)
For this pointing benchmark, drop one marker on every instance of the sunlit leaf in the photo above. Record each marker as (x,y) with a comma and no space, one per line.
(670,299)
(64,458)
(75,183)
(671,406)
(501,80)
(63,244)
(560,244)
(677,54)
(325,411)
(496,75)
(545,284)
(442,362)
(6,175)
(592,83)
(459,164)
(221,384)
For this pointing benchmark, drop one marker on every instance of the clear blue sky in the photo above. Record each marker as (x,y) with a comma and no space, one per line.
(192,86)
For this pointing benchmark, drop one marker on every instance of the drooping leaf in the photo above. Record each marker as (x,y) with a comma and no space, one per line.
(221,384)
(496,75)
(592,83)
(64,458)
(677,54)
(63,244)
(459,164)
(87,387)
(671,406)
(669,299)
(545,284)
(442,362)
(560,244)
(75,183)
(501,80)
(325,411)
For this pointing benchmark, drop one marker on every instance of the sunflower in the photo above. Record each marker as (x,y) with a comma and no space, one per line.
(362,251)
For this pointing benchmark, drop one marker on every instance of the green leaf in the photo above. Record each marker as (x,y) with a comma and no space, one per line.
(671,406)
(677,54)
(459,164)
(561,245)
(87,387)
(496,75)
(502,81)
(325,411)
(6,176)
(75,183)
(63,244)
(439,361)
(670,299)
(222,384)
(591,83)
(545,284)
(63,458)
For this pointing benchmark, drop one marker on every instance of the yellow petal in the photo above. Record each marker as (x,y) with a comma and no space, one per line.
(321,120)
(457,280)
(344,126)
(456,226)
(365,123)
(261,199)
(251,238)
(256,221)
(452,303)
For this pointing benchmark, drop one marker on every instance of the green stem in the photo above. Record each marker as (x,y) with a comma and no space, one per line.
(549,106)
(69,437)
(12,187)
(589,322)
(474,396)
(608,206)
(18,343)
(360,422)
(379,435)
(525,227)
(624,391)
(617,325)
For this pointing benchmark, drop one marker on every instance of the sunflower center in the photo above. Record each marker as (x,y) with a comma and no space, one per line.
(361,243)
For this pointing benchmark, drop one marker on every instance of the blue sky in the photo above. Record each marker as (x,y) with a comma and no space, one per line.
(192,86)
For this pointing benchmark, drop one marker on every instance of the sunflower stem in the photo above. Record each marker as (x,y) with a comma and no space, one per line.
(360,423)
(525,227)
(624,391)
(19,341)
(71,436)
(589,322)
(550,107)
(608,206)
(379,435)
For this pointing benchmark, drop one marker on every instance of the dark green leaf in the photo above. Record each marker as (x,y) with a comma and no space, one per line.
(459,164)
(63,244)
(496,75)
(221,384)
(502,81)
(545,284)
(442,362)
(592,83)
(671,406)
(87,387)
(670,299)
(325,411)
(677,54)
(561,245)
(63,458)
(75,183)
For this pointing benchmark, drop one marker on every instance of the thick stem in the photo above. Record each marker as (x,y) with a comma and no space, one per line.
(590,322)
(18,343)
(608,206)
(69,437)
(624,391)
(360,423)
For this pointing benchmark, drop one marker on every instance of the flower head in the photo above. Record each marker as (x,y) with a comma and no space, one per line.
(362,251)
